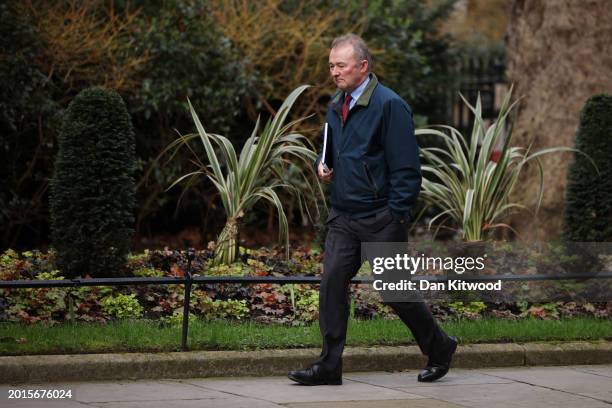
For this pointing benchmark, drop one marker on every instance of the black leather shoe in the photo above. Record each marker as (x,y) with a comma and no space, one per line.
(435,371)
(315,375)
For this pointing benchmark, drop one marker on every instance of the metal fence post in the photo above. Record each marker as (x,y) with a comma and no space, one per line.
(186,300)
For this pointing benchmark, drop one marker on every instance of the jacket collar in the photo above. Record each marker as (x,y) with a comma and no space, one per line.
(364,99)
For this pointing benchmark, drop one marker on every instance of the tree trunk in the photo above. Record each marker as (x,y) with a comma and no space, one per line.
(557,57)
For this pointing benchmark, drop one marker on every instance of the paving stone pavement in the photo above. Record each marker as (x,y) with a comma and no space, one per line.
(532,387)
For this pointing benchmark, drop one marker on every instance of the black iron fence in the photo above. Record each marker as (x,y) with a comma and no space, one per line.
(476,75)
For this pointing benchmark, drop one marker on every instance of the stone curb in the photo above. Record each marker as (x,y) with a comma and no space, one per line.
(194,364)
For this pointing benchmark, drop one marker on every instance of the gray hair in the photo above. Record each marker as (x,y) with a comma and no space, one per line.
(359,47)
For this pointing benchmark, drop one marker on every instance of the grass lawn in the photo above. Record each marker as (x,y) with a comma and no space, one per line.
(142,335)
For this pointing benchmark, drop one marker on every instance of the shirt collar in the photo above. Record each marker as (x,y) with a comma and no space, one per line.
(359,90)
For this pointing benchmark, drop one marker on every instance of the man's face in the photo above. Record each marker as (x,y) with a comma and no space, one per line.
(346,70)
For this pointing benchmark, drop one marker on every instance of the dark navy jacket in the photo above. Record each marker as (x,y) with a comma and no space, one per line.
(374,156)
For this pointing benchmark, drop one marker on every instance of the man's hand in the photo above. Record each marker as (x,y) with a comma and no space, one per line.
(325,175)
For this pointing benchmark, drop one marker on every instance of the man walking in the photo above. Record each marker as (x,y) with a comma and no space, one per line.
(373,164)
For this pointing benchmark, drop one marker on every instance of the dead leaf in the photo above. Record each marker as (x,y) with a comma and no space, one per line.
(176,270)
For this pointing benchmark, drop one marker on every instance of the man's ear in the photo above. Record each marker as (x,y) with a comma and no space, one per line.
(364,66)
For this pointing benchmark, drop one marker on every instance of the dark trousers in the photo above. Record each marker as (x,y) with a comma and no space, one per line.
(341,263)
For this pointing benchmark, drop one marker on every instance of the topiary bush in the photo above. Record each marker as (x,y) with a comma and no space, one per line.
(588,208)
(93,191)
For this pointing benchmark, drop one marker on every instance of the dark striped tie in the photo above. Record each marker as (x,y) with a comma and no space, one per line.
(345,107)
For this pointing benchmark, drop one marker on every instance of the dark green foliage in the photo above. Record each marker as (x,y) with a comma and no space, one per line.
(588,209)
(92,192)
(189,58)
(20,79)
(25,146)
(416,55)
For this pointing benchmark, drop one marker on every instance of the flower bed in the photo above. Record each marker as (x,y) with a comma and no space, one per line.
(293,304)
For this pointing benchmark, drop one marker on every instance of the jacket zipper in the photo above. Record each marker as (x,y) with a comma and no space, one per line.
(371,179)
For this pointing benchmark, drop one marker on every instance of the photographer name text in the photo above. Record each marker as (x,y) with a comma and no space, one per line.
(454,284)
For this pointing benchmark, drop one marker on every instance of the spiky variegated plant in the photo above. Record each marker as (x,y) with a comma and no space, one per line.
(256,174)
(472,190)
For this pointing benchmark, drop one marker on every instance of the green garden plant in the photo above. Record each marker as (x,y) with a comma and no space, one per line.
(176,318)
(469,307)
(307,305)
(92,191)
(36,304)
(222,309)
(122,306)
(257,174)
(304,301)
(470,187)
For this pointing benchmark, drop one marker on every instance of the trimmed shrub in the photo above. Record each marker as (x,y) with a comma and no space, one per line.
(588,208)
(92,191)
